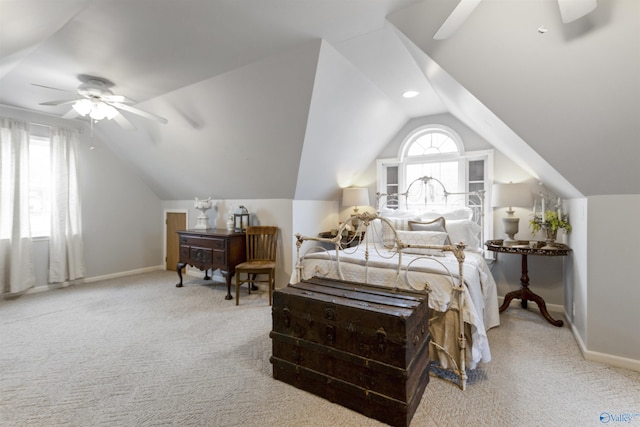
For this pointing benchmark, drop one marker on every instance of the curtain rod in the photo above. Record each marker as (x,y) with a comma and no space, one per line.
(79,125)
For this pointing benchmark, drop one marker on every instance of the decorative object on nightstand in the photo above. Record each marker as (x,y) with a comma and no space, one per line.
(511,195)
(203,219)
(241,219)
(549,220)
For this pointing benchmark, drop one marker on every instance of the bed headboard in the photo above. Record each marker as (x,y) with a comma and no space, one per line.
(427,197)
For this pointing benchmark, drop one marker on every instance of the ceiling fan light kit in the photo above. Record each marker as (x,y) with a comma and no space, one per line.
(95,109)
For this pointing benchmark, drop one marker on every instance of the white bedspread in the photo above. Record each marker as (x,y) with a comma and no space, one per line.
(480,303)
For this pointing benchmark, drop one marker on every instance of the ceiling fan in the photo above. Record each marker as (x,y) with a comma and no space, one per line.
(96,100)
(570,10)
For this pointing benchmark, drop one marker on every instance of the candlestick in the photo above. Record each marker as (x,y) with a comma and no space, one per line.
(559,209)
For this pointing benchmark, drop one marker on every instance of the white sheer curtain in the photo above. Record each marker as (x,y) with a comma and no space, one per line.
(66,258)
(16,261)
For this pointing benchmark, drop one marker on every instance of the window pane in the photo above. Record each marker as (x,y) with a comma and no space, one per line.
(391,202)
(446,172)
(476,186)
(476,170)
(432,143)
(39,186)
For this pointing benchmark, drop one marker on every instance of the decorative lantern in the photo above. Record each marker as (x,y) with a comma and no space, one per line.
(241,219)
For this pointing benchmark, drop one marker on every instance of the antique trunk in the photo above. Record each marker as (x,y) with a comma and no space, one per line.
(363,347)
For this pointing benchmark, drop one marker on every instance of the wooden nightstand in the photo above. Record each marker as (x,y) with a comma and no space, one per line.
(348,241)
(524,293)
(212,249)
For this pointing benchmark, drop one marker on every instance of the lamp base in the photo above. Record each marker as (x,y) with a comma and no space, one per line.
(511,225)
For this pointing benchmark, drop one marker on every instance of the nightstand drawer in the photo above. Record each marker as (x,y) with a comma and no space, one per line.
(200,256)
(206,242)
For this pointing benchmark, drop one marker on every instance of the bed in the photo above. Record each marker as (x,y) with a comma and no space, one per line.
(408,249)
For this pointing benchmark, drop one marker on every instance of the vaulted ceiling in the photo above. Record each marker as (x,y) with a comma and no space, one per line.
(291,99)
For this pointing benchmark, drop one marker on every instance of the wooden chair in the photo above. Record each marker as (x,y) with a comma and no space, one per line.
(262,243)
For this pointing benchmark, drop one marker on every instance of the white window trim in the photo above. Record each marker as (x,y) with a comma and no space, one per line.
(487,155)
(418,132)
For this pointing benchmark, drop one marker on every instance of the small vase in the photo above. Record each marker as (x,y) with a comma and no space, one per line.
(550,237)
(230,224)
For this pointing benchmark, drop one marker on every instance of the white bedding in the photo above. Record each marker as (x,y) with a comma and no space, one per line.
(480,308)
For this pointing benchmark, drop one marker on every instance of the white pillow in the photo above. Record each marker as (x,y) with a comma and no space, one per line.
(379,232)
(438,224)
(399,222)
(373,233)
(458,213)
(466,231)
(422,238)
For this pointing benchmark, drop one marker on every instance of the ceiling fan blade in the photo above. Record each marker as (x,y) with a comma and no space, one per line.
(123,122)
(117,98)
(570,10)
(456,19)
(60,102)
(53,88)
(139,112)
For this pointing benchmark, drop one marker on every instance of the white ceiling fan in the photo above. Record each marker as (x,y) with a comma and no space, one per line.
(570,10)
(96,100)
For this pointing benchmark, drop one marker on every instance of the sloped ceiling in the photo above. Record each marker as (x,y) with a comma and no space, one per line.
(238,134)
(572,94)
(350,121)
(263,97)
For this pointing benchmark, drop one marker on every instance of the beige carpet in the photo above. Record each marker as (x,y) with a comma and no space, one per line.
(139,352)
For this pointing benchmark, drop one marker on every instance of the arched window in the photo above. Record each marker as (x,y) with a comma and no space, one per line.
(432,140)
(436,151)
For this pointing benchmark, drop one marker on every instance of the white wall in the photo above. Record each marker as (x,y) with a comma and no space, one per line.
(576,273)
(311,217)
(613,292)
(119,212)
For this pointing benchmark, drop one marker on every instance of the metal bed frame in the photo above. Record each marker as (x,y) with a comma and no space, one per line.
(362,224)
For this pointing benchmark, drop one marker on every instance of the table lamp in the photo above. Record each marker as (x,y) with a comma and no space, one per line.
(355,196)
(511,195)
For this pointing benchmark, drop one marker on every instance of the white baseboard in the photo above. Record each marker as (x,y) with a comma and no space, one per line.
(122,274)
(51,286)
(607,359)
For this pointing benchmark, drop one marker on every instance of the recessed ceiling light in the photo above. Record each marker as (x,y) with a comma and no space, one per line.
(411,94)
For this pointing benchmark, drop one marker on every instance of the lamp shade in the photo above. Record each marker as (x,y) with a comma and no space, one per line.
(353,196)
(508,195)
